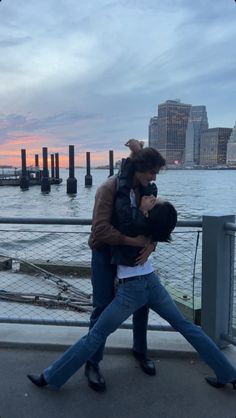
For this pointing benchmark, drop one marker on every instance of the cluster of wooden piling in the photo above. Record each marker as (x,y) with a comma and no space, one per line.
(43,176)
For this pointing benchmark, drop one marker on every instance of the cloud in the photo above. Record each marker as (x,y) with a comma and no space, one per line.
(93,73)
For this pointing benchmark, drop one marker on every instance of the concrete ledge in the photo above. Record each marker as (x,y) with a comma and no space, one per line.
(59,338)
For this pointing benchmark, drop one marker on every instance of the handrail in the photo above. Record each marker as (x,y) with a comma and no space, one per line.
(230,226)
(76,221)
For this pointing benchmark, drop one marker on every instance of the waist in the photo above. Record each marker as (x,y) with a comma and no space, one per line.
(129,279)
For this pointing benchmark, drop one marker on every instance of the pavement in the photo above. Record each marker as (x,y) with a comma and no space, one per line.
(177,391)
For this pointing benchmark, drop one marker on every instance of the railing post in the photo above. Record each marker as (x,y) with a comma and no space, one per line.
(216,277)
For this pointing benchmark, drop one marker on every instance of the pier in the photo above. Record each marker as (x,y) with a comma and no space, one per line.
(178,389)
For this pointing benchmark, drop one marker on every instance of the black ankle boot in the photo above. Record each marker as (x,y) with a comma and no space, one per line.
(95,378)
(38,380)
(216,384)
(145,363)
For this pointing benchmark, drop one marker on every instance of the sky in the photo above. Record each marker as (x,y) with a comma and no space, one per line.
(91,73)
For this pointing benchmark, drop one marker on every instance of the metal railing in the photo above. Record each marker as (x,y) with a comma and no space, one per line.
(47,278)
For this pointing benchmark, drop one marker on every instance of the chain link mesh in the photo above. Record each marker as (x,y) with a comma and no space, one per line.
(45,274)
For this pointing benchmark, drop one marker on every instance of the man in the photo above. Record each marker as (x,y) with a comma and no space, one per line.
(103,235)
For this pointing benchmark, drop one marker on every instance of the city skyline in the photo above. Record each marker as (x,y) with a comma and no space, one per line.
(92,75)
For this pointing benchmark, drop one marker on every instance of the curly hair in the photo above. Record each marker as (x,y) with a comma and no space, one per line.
(148,159)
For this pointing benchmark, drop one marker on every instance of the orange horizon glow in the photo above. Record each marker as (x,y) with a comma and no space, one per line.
(12,157)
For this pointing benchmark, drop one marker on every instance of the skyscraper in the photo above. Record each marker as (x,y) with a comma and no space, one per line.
(153,132)
(213,146)
(231,148)
(197,123)
(172,124)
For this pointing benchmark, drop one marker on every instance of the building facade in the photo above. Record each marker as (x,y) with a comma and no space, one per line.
(197,123)
(172,124)
(213,147)
(231,148)
(153,132)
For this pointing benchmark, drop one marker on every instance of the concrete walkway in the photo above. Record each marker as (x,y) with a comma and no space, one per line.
(178,389)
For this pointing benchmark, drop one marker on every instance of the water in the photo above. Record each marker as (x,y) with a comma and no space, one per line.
(193,192)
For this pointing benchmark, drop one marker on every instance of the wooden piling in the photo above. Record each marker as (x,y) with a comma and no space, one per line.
(71,181)
(57,167)
(111,163)
(45,183)
(36,163)
(52,167)
(24,179)
(88,177)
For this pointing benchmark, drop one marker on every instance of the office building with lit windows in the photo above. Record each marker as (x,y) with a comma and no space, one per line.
(153,132)
(172,124)
(231,148)
(213,147)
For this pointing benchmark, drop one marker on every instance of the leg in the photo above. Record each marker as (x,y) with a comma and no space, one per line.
(122,306)
(103,290)
(161,302)
(140,321)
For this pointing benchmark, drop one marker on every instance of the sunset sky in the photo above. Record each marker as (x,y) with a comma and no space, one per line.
(92,72)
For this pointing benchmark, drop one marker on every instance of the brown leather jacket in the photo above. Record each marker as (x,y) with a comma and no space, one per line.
(102,232)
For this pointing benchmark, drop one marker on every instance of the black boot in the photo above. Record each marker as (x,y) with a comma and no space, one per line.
(38,380)
(145,363)
(216,384)
(95,379)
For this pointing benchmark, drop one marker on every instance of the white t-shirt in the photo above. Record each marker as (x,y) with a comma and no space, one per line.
(140,269)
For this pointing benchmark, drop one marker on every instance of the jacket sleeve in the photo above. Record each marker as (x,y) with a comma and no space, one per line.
(103,232)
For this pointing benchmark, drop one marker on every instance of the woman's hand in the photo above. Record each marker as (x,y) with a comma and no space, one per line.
(145,253)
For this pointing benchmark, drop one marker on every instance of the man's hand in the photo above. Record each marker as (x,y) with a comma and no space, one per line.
(134,145)
(145,253)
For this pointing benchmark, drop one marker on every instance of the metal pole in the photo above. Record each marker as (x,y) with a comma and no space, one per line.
(217,274)
(88,177)
(24,180)
(45,182)
(71,181)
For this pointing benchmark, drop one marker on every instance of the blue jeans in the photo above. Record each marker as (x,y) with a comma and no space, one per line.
(103,273)
(129,297)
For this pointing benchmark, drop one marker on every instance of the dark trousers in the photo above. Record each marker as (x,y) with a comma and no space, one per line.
(103,274)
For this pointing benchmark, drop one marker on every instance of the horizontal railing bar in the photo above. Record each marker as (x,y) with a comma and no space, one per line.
(76,323)
(76,221)
(45,221)
(230,226)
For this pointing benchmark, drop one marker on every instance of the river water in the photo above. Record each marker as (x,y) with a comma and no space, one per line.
(193,192)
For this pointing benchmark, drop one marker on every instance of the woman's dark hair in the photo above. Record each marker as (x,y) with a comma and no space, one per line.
(148,159)
(162,219)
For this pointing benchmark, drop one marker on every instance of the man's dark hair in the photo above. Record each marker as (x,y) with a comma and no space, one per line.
(162,219)
(148,159)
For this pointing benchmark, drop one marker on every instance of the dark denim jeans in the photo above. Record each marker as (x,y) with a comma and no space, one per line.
(129,297)
(103,274)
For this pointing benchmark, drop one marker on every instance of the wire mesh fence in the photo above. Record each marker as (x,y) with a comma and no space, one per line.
(45,274)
